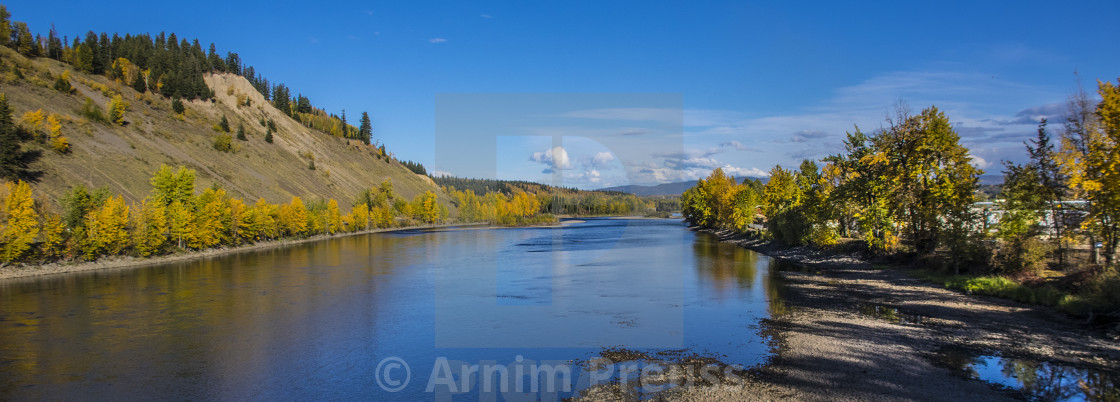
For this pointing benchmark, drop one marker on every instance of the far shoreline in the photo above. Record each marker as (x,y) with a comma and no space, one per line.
(12,274)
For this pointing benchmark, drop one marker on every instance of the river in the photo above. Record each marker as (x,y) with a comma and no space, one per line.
(408,312)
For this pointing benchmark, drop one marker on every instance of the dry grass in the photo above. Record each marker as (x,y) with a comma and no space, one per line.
(123,158)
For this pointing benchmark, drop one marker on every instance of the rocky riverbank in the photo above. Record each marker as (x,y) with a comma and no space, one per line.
(854,331)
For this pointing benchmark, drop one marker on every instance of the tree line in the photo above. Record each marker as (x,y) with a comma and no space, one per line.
(176,217)
(511,202)
(910,188)
(170,66)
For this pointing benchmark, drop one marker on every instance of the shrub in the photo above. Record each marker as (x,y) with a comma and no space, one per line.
(92,111)
(177,106)
(117,106)
(1022,255)
(62,85)
(61,144)
(223,143)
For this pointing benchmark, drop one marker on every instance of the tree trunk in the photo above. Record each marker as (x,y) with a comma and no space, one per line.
(1094,255)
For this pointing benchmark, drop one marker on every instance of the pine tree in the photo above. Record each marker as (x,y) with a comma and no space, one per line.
(177,106)
(345,127)
(139,84)
(224,124)
(15,162)
(25,42)
(365,131)
(5,26)
(268,136)
(241,132)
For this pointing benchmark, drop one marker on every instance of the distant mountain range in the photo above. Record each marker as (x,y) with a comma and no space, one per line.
(677,188)
(660,189)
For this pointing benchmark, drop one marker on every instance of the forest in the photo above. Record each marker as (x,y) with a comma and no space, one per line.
(175,217)
(169,66)
(909,192)
(510,202)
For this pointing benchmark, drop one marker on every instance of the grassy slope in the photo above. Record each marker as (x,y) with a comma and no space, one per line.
(124,158)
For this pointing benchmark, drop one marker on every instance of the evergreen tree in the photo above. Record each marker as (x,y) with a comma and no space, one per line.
(1053,185)
(280,96)
(5,26)
(54,44)
(224,124)
(177,106)
(139,84)
(365,131)
(345,127)
(25,42)
(268,136)
(303,105)
(241,132)
(15,162)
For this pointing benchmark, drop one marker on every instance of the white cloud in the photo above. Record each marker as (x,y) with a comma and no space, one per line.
(592,176)
(979,162)
(439,173)
(602,158)
(487,16)
(555,158)
(437,40)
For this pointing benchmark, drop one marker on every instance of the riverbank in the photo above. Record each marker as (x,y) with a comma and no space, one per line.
(122,262)
(833,344)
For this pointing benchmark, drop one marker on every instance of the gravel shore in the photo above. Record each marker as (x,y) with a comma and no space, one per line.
(830,348)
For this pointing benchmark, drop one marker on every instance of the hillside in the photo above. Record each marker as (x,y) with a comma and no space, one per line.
(123,158)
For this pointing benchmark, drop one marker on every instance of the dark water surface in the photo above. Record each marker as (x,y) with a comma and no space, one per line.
(340,318)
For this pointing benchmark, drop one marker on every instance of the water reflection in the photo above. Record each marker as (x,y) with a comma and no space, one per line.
(313,320)
(1039,380)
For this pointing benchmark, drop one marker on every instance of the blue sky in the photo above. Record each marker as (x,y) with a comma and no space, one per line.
(759,84)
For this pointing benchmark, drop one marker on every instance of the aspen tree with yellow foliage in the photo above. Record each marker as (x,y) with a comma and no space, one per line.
(19,223)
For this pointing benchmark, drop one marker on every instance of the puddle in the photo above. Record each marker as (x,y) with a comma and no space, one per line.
(891,314)
(1042,381)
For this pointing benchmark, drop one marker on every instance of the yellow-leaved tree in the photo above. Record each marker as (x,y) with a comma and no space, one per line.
(149,227)
(239,221)
(179,222)
(261,222)
(52,234)
(1090,155)
(334,219)
(106,229)
(211,219)
(293,217)
(117,107)
(20,222)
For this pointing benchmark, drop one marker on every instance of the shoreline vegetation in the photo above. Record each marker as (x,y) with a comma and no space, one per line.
(126,261)
(909,193)
(831,348)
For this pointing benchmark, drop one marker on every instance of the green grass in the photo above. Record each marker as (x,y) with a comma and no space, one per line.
(1005,288)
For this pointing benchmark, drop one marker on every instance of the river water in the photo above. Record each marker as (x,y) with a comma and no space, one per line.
(415,314)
